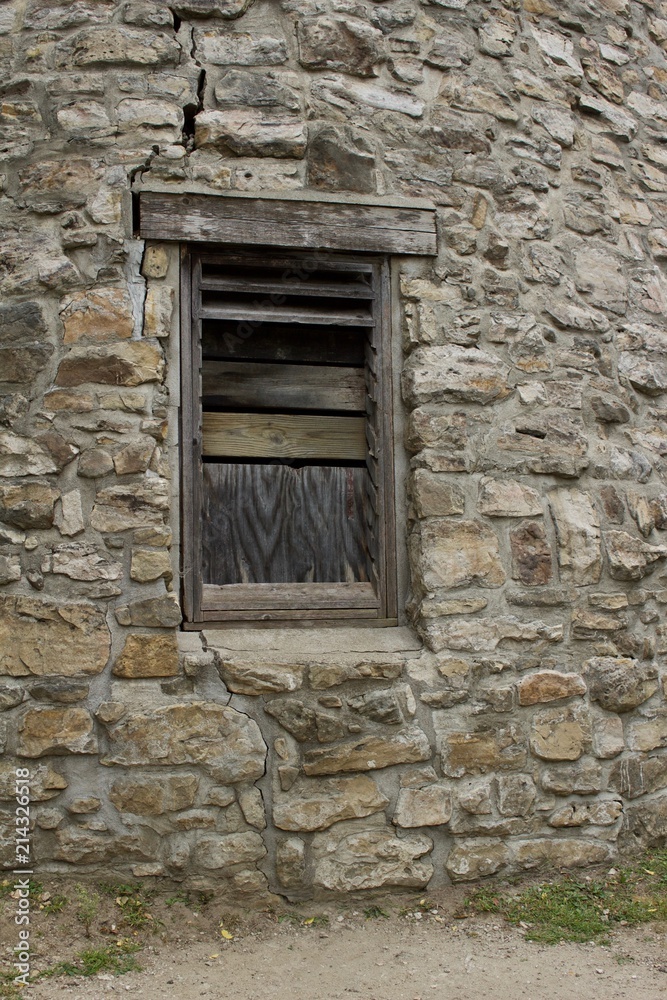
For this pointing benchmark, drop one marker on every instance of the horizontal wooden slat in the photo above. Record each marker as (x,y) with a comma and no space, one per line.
(275,222)
(250,312)
(288,596)
(269,386)
(257,286)
(328,618)
(258,435)
(284,343)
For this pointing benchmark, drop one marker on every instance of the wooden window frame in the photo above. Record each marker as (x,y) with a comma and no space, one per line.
(207,606)
(370,229)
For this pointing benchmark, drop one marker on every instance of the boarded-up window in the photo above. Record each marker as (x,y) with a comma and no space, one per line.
(288,507)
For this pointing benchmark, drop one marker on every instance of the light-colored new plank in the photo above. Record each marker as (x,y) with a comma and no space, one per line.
(258,435)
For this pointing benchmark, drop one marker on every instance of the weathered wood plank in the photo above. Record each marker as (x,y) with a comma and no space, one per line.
(275,524)
(278,435)
(257,286)
(282,343)
(251,312)
(288,596)
(269,386)
(274,222)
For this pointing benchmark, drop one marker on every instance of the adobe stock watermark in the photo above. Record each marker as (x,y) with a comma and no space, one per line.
(22,868)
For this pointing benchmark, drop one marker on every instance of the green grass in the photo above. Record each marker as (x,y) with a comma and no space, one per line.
(576,909)
(56,904)
(116,958)
(374,912)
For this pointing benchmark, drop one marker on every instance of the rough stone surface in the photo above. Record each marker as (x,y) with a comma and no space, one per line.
(549,685)
(620,684)
(369,753)
(316,805)
(460,553)
(148,656)
(228,744)
(559,734)
(37,637)
(348,858)
(45,731)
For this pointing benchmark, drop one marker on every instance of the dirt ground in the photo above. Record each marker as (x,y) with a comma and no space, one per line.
(340,951)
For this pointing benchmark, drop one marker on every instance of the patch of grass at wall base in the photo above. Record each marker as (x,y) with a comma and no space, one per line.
(116,958)
(582,909)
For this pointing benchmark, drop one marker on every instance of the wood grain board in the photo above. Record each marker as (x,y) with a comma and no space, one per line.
(252,312)
(283,342)
(275,222)
(270,386)
(288,596)
(275,524)
(279,435)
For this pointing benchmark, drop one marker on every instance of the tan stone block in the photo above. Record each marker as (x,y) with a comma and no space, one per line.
(148,656)
(430,806)
(578,530)
(434,496)
(459,553)
(156,261)
(158,310)
(327,675)
(361,855)
(154,612)
(260,677)
(531,555)
(214,852)
(549,685)
(507,498)
(126,363)
(132,505)
(154,796)
(56,731)
(559,734)
(647,734)
(72,402)
(97,315)
(473,859)
(45,782)
(134,457)
(369,753)
(42,637)
(150,564)
(631,558)
(69,518)
(486,750)
(316,805)
(565,853)
(454,375)
(225,742)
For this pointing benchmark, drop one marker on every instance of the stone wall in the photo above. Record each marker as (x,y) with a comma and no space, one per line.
(518,719)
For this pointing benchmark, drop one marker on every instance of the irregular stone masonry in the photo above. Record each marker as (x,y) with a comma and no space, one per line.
(520,720)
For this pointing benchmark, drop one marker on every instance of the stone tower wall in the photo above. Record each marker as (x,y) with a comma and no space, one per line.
(518,717)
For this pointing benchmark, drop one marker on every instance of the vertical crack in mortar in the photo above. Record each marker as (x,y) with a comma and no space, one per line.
(190,111)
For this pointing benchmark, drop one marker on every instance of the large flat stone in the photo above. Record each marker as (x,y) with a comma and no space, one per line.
(132,505)
(128,363)
(225,742)
(454,375)
(369,753)
(148,656)
(459,553)
(349,857)
(578,530)
(620,684)
(153,796)
(97,315)
(56,731)
(244,676)
(316,805)
(43,637)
